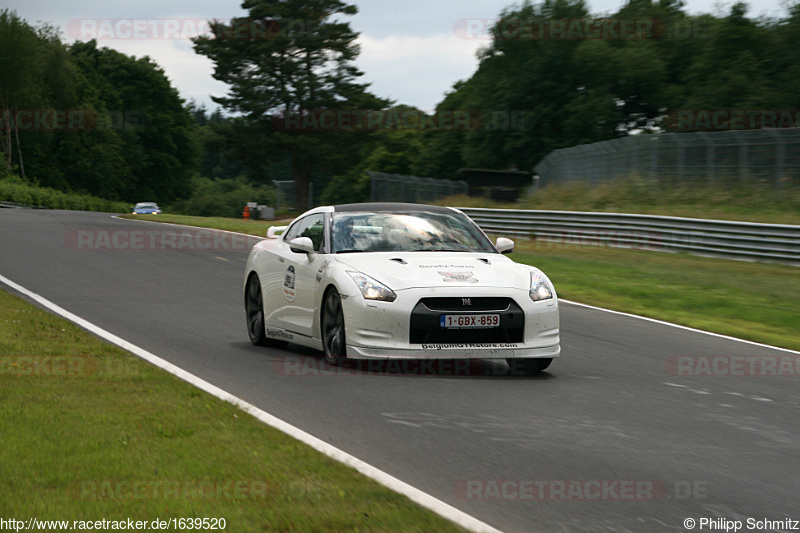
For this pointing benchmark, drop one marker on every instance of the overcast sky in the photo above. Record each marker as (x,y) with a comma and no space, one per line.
(412,51)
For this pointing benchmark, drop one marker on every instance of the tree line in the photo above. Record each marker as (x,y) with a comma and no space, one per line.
(580,90)
(551,75)
(84,119)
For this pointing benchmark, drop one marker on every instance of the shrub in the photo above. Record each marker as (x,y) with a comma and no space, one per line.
(223,197)
(14,189)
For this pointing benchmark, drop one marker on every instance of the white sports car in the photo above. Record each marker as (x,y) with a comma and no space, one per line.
(398,281)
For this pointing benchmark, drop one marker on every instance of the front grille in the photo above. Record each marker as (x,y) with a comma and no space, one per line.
(425,326)
(475,304)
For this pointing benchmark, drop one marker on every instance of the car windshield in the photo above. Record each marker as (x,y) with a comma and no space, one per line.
(412,231)
(146,206)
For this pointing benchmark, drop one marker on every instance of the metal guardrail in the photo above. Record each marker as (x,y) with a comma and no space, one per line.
(775,243)
(12,205)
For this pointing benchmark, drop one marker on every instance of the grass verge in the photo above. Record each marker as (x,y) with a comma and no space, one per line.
(91,432)
(752,301)
(722,200)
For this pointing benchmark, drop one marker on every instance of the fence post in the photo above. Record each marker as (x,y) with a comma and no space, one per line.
(710,155)
(277,195)
(654,157)
(681,156)
(780,158)
(742,159)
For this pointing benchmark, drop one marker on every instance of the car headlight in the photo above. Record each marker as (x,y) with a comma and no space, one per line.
(372,289)
(540,287)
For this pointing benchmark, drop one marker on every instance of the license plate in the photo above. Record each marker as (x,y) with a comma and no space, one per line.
(469,321)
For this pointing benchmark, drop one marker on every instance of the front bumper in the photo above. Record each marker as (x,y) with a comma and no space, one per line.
(454,351)
(385,330)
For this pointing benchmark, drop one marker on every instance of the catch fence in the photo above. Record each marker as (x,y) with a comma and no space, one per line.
(764,155)
(398,188)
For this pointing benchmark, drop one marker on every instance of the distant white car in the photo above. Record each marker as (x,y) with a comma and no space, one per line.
(146,208)
(398,281)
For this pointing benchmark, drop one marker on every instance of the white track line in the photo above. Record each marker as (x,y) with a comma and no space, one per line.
(192,227)
(425,500)
(686,328)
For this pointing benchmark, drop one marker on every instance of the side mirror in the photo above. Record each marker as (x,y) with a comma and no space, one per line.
(302,245)
(504,246)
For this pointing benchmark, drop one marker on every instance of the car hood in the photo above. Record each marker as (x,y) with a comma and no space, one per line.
(406,270)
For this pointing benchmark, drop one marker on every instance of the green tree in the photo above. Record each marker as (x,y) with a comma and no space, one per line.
(41,89)
(85,155)
(785,60)
(732,70)
(442,152)
(20,65)
(147,114)
(579,89)
(394,152)
(290,59)
(218,155)
(536,79)
(90,120)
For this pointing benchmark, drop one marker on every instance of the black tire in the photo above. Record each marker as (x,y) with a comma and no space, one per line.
(528,367)
(332,325)
(254,309)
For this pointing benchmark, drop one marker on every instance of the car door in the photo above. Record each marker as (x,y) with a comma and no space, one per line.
(299,288)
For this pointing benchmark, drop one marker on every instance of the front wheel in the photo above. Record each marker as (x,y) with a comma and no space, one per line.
(528,367)
(333,340)
(254,309)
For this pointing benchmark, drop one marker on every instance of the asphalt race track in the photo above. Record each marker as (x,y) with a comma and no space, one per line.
(610,438)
